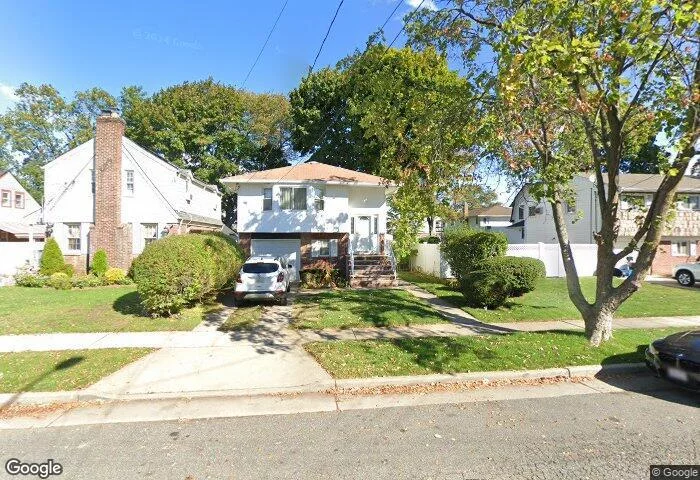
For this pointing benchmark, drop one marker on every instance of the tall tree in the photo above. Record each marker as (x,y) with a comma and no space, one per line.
(601,75)
(42,125)
(213,129)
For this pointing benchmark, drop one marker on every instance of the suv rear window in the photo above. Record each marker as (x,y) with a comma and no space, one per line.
(259,267)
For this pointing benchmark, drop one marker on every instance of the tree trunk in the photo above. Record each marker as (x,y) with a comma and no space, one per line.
(598,322)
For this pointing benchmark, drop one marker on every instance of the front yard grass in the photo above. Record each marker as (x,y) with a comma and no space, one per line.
(550,300)
(61,370)
(362,308)
(103,309)
(516,351)
(242,318)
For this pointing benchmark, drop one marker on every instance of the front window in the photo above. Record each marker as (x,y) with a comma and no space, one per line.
(293,198)
(19,200)
(267,199)
(680,248)
(73,236)
(689,202)
(150,233)
(6,202)
(130,182)
(319,202)
(325,248)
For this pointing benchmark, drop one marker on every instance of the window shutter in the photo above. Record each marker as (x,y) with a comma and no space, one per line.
(333,247)
(352,225)
(315,248)
(693,249)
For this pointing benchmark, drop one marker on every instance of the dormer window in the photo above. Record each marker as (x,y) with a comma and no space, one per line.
(130,182)
(6,195)
(19,199)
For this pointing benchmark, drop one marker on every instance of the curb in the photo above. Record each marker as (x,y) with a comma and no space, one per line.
(43,398)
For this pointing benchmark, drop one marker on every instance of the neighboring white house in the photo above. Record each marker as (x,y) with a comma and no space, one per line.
(21,239)
(109,193)
(495,218)
(314,212)
(533,222)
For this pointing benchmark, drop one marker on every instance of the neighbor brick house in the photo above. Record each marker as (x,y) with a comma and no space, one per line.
(314,214)
(109,193)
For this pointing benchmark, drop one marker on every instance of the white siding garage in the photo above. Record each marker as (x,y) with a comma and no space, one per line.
(290,248)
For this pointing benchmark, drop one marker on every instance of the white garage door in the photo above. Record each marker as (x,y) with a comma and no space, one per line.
(279,248)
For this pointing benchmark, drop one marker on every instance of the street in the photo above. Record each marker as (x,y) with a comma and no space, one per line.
(599,435)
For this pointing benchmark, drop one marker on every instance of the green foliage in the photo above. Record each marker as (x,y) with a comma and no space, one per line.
(465,249)
(52,259)
(60,281)
(521,273)
(26,279)
(432,240)
(324,276)
(99,263)
(485,288)
(115,276)
(87,281)
(178,270)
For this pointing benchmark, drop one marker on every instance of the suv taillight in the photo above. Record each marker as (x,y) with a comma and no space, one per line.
(239,279)
(280,277)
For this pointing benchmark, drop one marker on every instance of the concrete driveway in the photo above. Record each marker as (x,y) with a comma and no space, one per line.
(268,358)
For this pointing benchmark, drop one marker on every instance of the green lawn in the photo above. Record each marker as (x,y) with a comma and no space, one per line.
(64,370)
(517,351)
(104,309)
(550,300)
(362,308)
(243,318)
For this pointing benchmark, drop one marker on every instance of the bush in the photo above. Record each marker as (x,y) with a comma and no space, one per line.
(85,281)
(52,260)
(465,249)
(483,288)
(178,270)
(99,263)
(115,276)
(323,277)
(432,239)
(68,269)
(521,273)
(60,281)
(25,279)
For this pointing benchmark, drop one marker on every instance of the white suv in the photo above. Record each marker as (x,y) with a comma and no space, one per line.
(686,273)
(263,278)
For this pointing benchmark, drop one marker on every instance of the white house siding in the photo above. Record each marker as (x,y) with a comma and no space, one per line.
(29,214)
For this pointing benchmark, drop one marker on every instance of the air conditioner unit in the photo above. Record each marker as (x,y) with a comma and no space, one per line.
(538,210)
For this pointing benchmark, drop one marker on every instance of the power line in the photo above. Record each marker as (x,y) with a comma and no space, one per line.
(403,27)
(262,49)
(326,37)
(398,4)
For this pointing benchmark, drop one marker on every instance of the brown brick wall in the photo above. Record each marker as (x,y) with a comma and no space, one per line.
(340,262)
(79,263)
(244,242)
(664,261)
(108,232)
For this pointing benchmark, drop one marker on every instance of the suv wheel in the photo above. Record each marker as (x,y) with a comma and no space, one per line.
(685,278)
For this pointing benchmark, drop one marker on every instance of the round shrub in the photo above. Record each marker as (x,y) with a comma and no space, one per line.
(25,279)
(85,281)
(115,276)
(176,271)
(99,263)
(52,260)
(522,273)
(464,249)
(482,288)
(60,281)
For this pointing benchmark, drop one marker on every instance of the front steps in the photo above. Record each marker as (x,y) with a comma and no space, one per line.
(373,271)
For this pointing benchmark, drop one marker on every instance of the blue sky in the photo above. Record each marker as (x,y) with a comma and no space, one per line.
(80,44)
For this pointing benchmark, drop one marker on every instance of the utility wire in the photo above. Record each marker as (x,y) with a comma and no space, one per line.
(403,27)
(326,37)
(262,49)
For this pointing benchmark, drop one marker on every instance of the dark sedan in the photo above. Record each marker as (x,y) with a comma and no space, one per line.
(677,358)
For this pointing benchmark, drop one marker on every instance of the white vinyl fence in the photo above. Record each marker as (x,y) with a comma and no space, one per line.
(429,260)
(14,255)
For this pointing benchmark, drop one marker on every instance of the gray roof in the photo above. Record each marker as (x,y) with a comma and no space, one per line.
(492,211)
(191,217)
(649,182)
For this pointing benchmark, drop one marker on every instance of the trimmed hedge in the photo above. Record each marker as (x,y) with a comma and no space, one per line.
(99,263)
(466,249)
(483,288)
(522,273)
(52,260)
(322,278)
(179,270)
(115,276)
(60,281)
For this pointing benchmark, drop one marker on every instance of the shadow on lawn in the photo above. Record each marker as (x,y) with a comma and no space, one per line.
(129,304)
(62,365)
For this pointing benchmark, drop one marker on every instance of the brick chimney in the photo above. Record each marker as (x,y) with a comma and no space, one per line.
(108,232)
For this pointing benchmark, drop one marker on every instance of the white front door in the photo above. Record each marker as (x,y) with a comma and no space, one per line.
(363,234)
(288,248)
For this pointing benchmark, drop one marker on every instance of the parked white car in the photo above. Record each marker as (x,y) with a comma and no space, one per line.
(686,273)
(264,278)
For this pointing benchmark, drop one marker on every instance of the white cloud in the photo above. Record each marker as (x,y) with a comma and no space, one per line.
(8,93)
(429,4)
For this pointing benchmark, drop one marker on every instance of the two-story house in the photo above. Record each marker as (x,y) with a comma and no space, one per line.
(109,193)
(533,222)
(313,212)
(19,212)
(495,218)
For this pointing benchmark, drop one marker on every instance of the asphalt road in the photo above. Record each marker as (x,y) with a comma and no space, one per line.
(596,436)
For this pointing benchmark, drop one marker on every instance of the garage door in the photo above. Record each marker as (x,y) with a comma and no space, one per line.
(279,248)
